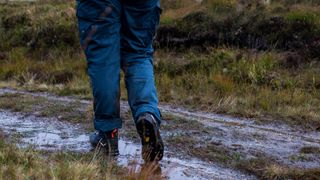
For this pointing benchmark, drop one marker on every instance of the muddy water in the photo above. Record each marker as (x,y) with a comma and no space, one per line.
(280,142)
(50,134)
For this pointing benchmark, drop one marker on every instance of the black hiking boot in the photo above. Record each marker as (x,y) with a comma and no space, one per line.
(152,144)
(106,140)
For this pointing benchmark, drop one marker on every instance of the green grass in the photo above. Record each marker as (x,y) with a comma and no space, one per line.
(255,85)
(277,83)
(40,52)
(228,81)
(221,23)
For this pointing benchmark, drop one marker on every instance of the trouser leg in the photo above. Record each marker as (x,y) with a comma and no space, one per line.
(139,21)
(99,27)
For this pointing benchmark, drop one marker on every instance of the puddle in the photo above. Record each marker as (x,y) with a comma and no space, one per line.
(50,134)
(280,142)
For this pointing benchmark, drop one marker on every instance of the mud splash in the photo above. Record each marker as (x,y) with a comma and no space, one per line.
(52,135)
(280,142)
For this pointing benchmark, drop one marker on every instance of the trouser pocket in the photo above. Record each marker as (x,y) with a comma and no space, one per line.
(97,24)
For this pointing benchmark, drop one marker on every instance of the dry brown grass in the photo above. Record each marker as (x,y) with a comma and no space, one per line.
(224,80)
(30,164)
(174,14)
(267,169)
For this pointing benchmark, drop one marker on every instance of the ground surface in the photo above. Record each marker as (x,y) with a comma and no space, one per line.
(256,63)
(199,145)
(244,59)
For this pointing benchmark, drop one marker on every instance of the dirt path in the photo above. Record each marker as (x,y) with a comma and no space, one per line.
(280,143)
(50,134)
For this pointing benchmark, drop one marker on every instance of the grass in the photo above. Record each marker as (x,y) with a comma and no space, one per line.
(255,85)
(263,85)
(310,150)
(186,136)
(30,164)
(266,169)
(43,107)
(222,23)
(247,60)
(192,142)
(43,54)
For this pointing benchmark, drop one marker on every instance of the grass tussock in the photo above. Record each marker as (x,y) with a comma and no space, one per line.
(39,27)
(247,24)
(244,58)
(239,83)
(310,150)
(18,163)
(265,169)
(265,85)
(222,71)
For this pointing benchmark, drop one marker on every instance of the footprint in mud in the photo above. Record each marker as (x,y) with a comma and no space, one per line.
(52,135)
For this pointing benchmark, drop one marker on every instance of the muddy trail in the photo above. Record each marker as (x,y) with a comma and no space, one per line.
(50,134)
(53,135)
(280,143)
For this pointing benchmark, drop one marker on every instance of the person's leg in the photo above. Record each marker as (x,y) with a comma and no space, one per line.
(99,27)
(139,21)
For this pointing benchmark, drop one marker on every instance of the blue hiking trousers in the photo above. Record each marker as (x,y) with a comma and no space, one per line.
(115,35)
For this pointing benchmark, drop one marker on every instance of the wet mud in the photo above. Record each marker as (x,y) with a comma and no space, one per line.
(52,135)
(279,142)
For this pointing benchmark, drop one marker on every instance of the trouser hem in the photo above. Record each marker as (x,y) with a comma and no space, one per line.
(107,124)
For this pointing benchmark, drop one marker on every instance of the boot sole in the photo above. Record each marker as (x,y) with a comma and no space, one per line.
(152,144)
